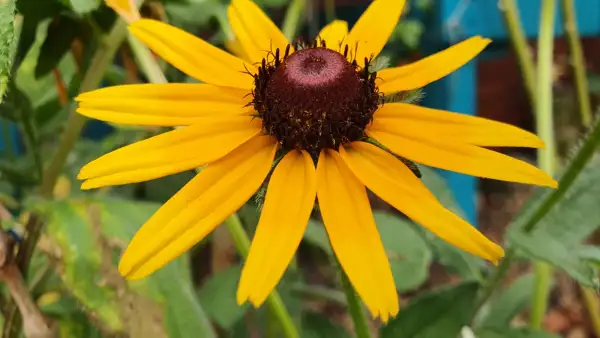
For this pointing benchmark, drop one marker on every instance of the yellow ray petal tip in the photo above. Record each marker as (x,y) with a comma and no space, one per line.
(87,185)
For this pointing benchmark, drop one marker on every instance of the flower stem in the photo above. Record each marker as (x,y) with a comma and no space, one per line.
(146,61)
(578,62)
(520,46)
(293,15)
(329,10)
(234,225)
(242,243)
(547,158)
(593,305)
(355,307)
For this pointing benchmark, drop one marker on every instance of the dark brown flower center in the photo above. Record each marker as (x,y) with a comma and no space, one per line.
(315,99)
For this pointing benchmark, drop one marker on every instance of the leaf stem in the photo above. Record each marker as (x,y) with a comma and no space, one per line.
(234,224)
(547,158)
(577,61)
(590,299)
(242,243)
(355,307)
(520,46)
(293,15)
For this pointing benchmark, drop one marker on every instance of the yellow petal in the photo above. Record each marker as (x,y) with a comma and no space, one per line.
(334,34)
(255,31)
(172,152)
(391,180)
(354,237)
(173,104)
(432,150)
(214,194)
(193,56)
(431,68)
(414,120)
(288,204)
(373,29)
(127,9)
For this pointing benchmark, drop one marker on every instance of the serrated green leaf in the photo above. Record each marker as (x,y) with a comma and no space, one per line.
(7,42)
(514,333)
(438,314)
(90,234)
(218,297)
(315,325)
(84,6)
(507,304)
(408,253)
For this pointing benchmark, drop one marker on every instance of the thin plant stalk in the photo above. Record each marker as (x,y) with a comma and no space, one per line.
(547,158)
(294,14)
(577,61)
(590,299)
(329,10)
(520,46)
(355,307)
(233,223)
(242,243)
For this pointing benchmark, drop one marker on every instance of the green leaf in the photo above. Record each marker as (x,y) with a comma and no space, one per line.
(590,253)
(438,314)
(408,253)
(409,31)
(7,42)
(218,297)
(553,251)
(89,235)
(84,6)
(59,38)
(506,305)
(514,333)
(315,325)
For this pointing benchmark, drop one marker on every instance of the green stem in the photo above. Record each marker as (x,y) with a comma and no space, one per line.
(520,46)
(329,10)
(234,225)
(242,243)
(146,61)
(547,158)
(578,62)
(293,15)
(355,307)
(590,298)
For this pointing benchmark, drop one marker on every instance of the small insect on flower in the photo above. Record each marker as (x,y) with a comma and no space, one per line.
(322,113)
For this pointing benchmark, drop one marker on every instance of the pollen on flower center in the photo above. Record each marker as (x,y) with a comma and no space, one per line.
(315,98)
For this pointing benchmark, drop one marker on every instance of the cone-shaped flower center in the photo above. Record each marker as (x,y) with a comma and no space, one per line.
(315,99)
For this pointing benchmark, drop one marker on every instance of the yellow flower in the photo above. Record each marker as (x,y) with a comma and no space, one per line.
(319,109)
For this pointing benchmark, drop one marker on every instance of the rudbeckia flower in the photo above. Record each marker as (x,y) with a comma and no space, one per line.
(309,122)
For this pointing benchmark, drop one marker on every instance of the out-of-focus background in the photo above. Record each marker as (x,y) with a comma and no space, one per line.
(72,276)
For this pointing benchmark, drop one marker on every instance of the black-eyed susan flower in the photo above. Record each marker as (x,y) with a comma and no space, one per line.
(319,113)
